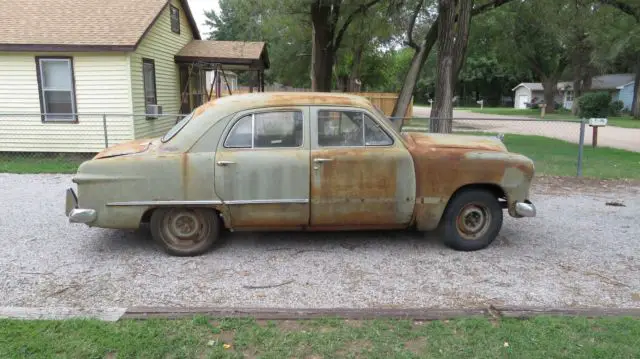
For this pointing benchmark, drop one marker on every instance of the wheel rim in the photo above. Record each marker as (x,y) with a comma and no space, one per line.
(473,221)
(184,228)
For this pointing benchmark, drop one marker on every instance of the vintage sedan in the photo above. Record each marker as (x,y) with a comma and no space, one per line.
(301,161)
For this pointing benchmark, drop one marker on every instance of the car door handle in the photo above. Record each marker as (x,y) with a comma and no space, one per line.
(225,163)
(322,160)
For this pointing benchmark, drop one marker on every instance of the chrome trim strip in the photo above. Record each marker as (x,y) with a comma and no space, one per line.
(161,203)
(267,201)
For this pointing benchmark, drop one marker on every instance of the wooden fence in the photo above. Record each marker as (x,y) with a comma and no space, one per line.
(385,101)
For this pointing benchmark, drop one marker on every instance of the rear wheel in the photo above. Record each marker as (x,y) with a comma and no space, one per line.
(185,231)
(472,220)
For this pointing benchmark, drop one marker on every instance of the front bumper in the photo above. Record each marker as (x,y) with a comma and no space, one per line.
(525,209)
(75,214)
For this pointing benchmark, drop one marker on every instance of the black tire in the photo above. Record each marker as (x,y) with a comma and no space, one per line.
(472,220)
(185,231)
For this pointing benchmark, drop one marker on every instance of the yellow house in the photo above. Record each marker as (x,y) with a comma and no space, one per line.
(67,65)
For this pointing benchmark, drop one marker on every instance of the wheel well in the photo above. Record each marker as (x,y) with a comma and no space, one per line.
(496,190)
(146,217)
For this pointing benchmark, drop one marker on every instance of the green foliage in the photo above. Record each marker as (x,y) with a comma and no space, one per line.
(615,108)
(594,105)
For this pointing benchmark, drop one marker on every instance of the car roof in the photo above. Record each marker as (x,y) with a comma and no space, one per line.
(249,101)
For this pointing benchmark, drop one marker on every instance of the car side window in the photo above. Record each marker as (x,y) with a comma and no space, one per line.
(374,135)
(349,128)
(278,129)
(267,130)
(340,128)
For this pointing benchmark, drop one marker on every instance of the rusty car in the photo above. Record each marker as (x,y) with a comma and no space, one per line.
(301,161)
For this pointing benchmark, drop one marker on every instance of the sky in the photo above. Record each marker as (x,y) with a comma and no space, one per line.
(197,8)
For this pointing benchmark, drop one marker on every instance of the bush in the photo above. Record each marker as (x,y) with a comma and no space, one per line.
(615,108)
(594,105)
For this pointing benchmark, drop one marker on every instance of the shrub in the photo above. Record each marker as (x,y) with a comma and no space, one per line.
(594,105)
(615,108)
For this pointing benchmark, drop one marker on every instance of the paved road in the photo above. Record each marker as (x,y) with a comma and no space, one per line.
(615,137)
(578,252)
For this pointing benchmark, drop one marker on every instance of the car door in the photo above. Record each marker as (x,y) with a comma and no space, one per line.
(262,168)
(362,175)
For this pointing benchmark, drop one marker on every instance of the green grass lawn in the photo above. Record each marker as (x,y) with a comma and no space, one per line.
(201,337)
(622,121)
(36,163)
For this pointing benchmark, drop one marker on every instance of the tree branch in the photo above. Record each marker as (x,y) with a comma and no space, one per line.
(412,24)
(347,22)
(624,7)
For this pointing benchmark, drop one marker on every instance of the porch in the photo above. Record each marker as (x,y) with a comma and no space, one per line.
(218,58)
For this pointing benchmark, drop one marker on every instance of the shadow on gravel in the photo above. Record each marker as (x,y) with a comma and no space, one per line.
(299,242)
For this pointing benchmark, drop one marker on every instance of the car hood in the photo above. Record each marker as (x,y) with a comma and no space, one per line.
(129,148)
(438,140)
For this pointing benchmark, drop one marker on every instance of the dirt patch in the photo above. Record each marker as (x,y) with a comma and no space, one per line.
(355,347)
(416,346)
(559,185)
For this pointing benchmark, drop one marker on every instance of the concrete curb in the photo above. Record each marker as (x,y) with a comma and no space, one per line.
(115,314)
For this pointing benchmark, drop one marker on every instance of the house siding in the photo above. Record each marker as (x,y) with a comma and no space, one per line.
(626,96)
(161,45)
(102,85)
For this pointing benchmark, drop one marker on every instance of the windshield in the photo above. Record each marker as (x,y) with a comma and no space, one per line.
(176,128)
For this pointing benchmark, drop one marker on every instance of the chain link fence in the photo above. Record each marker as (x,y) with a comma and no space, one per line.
(35,143)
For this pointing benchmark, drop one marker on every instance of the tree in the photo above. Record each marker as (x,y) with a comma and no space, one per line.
(329,27)
(424,47)
(453,37)
(629,45)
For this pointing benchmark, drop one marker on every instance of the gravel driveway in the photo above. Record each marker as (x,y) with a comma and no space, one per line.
(578,252)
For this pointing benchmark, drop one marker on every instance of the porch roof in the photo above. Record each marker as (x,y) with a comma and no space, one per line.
(231,55)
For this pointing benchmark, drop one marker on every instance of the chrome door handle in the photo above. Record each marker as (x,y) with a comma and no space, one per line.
(224,163)
(322,160)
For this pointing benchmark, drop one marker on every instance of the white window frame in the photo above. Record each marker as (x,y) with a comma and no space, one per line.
(73,116)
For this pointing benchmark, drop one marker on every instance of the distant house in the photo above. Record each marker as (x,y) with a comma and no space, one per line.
(69,62)
(625,94)
(528,92)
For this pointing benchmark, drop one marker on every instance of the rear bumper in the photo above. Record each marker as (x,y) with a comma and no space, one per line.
(75,214)
(525,209)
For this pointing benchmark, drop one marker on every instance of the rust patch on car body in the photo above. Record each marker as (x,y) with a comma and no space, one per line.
(446,163)
(127,148)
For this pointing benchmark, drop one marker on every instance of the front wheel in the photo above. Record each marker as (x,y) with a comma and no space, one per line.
(185,231)
(472,220)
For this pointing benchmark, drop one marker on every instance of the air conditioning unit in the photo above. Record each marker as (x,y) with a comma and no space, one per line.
(154,110)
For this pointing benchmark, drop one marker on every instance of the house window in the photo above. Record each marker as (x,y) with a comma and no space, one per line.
(175,19)
(149,76)
(57,89)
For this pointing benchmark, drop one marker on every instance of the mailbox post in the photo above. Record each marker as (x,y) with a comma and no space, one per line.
(594,123)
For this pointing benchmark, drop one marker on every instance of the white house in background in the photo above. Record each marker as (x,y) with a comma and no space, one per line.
(625,94)
(533,92)
(63,62)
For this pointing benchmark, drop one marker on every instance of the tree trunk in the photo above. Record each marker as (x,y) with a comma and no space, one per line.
(635,107)
(323,51)
(442,112)
(550,86)
(411,79)
(354,75)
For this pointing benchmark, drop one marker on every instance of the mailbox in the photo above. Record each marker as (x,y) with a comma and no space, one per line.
(597,122)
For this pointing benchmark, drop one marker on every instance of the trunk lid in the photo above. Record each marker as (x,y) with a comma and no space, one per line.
(441,140)
(127,148)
